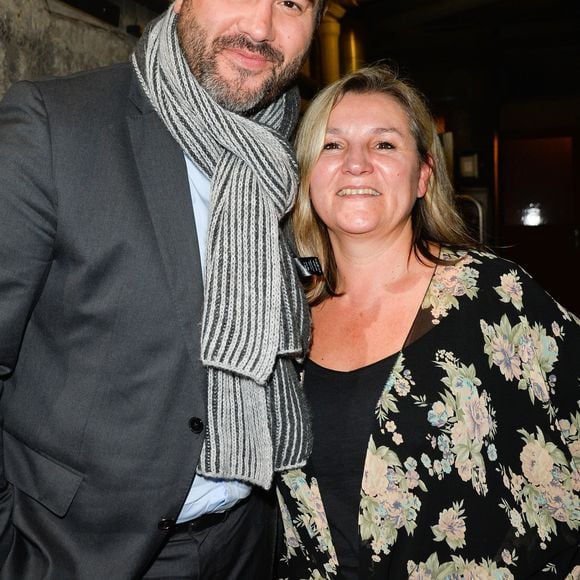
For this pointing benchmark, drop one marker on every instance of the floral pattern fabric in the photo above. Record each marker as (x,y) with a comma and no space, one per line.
(473,465)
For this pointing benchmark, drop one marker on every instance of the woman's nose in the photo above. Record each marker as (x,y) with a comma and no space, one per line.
(357,161)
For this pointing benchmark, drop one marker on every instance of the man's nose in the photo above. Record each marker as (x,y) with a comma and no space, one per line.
(257,20)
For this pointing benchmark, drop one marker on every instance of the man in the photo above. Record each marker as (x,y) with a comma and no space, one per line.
(150,315)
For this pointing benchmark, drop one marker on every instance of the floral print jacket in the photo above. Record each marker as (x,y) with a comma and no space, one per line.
(472,467)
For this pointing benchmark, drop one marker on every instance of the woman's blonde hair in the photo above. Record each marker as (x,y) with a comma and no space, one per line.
(435,218)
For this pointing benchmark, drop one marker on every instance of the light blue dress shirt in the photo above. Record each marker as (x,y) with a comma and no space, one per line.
(207,495)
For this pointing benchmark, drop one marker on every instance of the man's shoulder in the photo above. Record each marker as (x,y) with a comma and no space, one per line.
(96,82)
(82,98)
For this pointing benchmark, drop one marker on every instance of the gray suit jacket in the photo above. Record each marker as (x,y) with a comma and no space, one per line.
(100,306)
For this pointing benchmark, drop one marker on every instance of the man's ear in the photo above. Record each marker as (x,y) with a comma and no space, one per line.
(177,6)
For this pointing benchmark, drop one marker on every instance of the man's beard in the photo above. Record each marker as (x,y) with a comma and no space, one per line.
(231,94)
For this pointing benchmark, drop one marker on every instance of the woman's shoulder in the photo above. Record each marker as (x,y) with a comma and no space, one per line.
(483,260)
(506,282)
(502,283)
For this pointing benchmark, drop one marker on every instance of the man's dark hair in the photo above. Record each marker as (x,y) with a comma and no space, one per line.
(320,10)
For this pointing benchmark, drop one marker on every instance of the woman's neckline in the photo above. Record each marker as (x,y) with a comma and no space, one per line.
(365,367)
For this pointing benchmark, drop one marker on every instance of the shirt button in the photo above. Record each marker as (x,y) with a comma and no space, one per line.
(165,524)
(196,424)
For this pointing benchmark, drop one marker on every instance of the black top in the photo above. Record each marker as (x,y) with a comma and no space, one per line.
(343,406)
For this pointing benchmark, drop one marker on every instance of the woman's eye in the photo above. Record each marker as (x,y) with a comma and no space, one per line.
(385,145)
(331,145)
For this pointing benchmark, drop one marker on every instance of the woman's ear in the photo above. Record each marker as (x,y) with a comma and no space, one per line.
(425,174)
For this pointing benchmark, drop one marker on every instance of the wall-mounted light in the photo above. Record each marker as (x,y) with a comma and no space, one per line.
(532,215)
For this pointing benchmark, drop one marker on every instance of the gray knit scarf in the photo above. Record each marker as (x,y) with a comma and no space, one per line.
(255,320)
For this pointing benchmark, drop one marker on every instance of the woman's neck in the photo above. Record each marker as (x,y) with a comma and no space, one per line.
(367,267)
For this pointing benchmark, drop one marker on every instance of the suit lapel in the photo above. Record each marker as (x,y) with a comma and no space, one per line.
(165,184)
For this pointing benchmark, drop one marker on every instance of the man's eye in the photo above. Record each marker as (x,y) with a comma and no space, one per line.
(293,5)
(385,145)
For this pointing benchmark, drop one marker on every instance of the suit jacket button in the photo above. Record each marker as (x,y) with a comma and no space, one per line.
(196,424)
(165,524)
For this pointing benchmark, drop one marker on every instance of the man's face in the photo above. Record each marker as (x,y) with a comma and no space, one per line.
(245,52)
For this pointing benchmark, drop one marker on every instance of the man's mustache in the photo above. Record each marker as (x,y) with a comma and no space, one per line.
(239,41)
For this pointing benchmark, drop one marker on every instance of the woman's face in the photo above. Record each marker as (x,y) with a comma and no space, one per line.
(368,175)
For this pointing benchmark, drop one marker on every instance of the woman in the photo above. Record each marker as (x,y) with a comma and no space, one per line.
(443,380)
